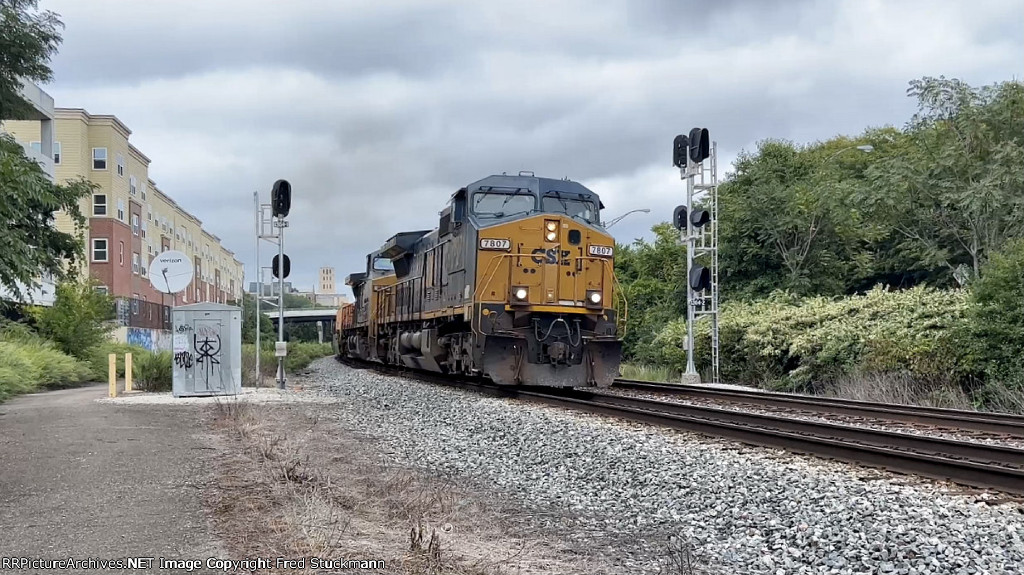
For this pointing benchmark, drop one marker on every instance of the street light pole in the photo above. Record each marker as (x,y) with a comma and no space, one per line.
(618,219)
(866,148)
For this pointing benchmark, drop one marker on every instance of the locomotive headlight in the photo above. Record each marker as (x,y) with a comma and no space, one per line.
(519,294)
(551,236)
(552,226)
(593,298)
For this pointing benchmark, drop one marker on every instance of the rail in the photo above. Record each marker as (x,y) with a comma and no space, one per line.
(952,418)
(966,463)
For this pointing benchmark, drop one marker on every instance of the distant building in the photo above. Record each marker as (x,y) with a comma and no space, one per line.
(326,281)
(270,289)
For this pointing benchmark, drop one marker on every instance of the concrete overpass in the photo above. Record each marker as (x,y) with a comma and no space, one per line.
(304,315)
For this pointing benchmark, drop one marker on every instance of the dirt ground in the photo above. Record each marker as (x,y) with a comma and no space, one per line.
(290,483)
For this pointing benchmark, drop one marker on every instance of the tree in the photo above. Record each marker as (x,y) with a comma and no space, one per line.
(34,245)
(955,191)
(249,322)
(28,40)
(788,221)
(653,277)
(78,319)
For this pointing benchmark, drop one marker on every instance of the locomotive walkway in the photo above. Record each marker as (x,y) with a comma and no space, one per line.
(81,479)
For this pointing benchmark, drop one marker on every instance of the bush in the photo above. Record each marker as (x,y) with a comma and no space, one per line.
(153,371)
(806,344)
(78,320)
(300,355)
(98,357)
(29,366)
(997,317)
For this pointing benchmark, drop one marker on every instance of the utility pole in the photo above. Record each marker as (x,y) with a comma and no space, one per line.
(259,283)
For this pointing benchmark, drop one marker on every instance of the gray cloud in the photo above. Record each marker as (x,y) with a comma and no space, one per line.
(377,111)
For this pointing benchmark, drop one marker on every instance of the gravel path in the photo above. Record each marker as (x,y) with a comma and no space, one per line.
(837,418)
(623,488)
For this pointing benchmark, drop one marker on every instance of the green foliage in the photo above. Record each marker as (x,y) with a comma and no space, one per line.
(300,355)
(805,344)
(27,219)
(791,224)
(27,366)
(78,320)
(249,321)
(653,278)
(28,39)
(153,371)
(954,192)
(98,358)
(997,316)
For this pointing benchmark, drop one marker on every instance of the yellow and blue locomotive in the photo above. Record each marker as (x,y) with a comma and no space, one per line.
(517,283)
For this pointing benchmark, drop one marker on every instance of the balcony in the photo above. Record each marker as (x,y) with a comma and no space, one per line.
(41,111)
(131,312)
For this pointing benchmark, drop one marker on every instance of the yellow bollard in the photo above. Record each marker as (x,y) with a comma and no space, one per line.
(113,374)
(127,372)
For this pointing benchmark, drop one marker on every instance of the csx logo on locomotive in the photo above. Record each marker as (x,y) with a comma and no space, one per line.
(542,256)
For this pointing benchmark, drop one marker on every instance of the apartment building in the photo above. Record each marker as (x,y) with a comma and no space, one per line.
(43,150)
(130,219)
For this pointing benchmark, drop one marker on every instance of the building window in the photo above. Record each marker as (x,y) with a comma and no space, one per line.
(56,153)
(99,204)
(120,253)
(143,229)
(120,210)
(132,185)
(99,158)
(143,186)
(149,213)
(99,249)
(135,224)
(102,289)
(144,266)
(120,165)
(135,263)
(37,146)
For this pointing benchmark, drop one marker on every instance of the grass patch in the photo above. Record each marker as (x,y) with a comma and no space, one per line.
(300,355)
(28,366)
(153,371)
(643,372)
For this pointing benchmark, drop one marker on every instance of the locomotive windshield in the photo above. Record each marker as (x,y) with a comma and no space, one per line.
(556,203)
(383,265)
(495,204)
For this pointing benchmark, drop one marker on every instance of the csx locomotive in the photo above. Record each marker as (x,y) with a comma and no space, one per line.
(517,284)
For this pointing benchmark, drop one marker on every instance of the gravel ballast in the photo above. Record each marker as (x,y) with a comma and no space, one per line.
(621,488)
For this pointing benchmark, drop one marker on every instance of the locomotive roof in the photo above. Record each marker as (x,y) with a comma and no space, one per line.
(538,186)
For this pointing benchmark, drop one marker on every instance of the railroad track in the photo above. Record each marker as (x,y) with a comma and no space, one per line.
(973,464)
(1001,423)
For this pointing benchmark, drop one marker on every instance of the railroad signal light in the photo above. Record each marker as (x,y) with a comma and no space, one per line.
(281,198)
(679,217)
(700,278)
(700,218)
(700,145)
(680,147)
(276,267)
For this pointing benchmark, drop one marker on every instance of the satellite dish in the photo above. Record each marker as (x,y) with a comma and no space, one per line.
(170,272)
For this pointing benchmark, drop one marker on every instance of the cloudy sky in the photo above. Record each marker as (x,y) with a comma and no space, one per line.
(378,110)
